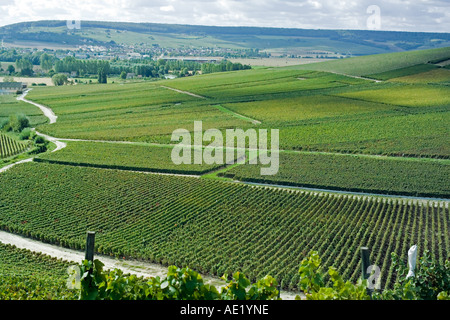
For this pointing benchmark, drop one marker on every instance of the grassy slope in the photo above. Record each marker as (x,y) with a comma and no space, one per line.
(314,111)
(407,71)
(441,75)
(374,64)
(131,112)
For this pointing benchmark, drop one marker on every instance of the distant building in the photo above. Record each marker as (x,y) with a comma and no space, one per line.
(195,59)
(131,75)
(134,55)
(11,87)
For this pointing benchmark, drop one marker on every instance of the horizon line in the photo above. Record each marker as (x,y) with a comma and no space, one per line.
(224,26)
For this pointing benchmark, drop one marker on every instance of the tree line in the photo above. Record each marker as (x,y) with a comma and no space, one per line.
(145,68)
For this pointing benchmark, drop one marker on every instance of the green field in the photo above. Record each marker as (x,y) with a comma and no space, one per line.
(130,112)
(214,227)
(399,176)
(26,275)
(313,111)
(10,106)
(389,134)
(10,146)
(376,64)
(433,76)
(337,132)
(407,71)
(260,83)
(292,110)
(133,157)
(414,95)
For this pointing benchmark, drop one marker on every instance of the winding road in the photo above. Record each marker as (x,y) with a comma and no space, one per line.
(47,111)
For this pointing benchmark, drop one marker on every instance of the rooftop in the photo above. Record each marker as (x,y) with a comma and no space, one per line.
(9,85)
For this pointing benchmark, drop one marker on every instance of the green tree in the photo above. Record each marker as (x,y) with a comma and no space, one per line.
(46,62)
(25,66)
(123,75)
(59,79)
(102,77)
(17,123)
(161,62)
(11,69)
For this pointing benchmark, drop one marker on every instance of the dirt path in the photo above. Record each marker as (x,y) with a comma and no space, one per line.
(139,268)
(14,164)
(59,144)
(356,77)
(184,92)
(47,111)
(237,115)
(52,117)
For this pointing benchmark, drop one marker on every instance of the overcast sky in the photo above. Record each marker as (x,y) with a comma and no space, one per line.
(398,15)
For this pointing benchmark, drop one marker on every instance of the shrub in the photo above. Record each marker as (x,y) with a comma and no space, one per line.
(312,283)
(431,281)
(59,79)
(39,140)
(25,134)
(179,284)
(40,144)
(16,123)
(3,124)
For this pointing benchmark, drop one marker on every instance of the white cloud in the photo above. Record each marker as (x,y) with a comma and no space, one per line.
(169,8)
(431,15)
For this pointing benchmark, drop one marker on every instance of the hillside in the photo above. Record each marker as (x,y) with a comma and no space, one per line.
(362,163)
(375,64)
(321,113)
(271,40)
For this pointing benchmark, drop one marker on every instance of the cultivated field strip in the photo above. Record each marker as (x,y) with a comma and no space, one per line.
(382,175)
(10,147)
(215,227)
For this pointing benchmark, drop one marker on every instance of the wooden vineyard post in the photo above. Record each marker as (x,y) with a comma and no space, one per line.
(90,242)
(365,263)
